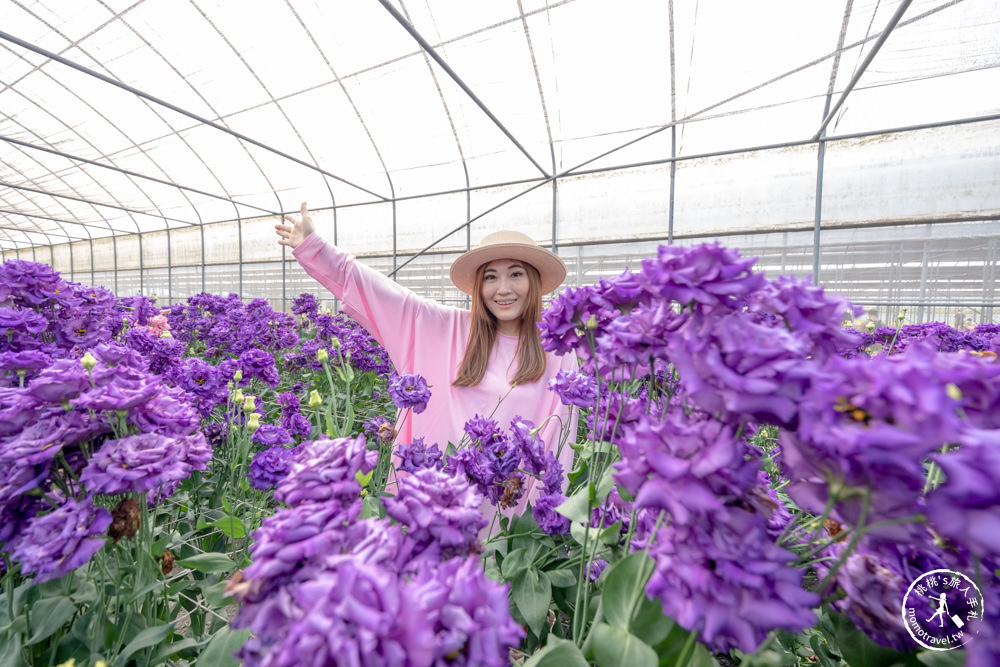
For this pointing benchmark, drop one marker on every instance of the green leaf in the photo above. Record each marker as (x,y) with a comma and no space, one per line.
(208,562)
(562,578)
(615,647)
(232,527)
(174,648)
(10,652)
(219,652)
(942,658)
(364,479)
(48,616)
(624,587)
(532,594)
(146,638)
(858,650)
(558,653)
(513,563)
(577,507)
(214,595)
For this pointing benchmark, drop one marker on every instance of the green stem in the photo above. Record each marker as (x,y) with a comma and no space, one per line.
(687,651)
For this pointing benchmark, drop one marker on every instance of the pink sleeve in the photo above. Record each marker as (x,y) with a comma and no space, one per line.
(385,308)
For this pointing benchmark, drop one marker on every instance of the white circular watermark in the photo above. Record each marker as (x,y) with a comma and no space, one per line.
(942,609)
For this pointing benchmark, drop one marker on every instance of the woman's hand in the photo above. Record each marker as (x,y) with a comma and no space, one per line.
(295,231)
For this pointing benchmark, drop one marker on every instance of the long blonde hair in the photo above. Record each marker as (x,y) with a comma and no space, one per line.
(531,359)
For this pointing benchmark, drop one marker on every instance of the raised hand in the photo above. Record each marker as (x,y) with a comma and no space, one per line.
(295,230)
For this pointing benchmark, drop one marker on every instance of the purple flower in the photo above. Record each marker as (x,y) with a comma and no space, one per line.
(409,391)
(324,470)
(54,544)
(63,380)
(305,304)
(728,582)
(18,408)
(358,614)
(575,388)
(270,435)
(483,429)
(966,507)
(169,412)
(546,516)
(418,455)
(689,465)
(269,467)
(706,274)
(257,363)
(144,462)
(865,428)
(469,614)
(440,509)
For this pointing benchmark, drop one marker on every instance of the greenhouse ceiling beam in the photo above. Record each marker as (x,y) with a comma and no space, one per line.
(897,15)
(578,171)
(65,233)
(126,172)
(173,107)
(426,46)
(93,203)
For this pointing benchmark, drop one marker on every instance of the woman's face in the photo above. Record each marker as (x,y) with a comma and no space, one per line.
(505,293)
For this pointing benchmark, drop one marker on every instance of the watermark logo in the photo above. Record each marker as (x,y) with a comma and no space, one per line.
(942,609)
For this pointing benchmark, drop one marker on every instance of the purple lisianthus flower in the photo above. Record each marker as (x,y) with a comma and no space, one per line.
(483,429)
(297,425)
(440,509)
(63,380)
(418,455)
(687,464)
(966,507)
(269,467)
(530,444)
(359,614)
(409,391)
(18,408)
(476,465)
(546,516)
(575,388)
(324,470)
(169,412)
(270,435)
(54,544)
(260,364)
(118,391)
(24,362)
(305,304)
(597,567)
(144,462)
(707,274)
(727,581)
(289,402)
(468,613)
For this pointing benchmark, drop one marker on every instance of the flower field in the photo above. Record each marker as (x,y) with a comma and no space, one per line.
(221,483)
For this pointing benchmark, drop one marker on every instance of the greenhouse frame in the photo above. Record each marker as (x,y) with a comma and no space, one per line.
(151,146)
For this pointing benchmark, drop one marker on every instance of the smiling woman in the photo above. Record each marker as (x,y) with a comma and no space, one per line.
(486,362)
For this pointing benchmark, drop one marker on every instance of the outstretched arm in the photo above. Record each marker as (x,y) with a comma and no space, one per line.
(295,230)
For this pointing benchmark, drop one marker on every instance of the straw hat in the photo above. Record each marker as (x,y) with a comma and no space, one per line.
(508,244)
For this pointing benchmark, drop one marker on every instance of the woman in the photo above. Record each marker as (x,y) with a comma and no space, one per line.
(487,361)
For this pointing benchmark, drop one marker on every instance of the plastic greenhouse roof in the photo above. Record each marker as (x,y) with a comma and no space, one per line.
(125,116)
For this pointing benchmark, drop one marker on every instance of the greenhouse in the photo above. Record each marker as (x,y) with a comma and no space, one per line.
(256,286)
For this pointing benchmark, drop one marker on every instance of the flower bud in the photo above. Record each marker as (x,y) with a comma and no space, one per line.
(238,375)
(870,327)
(88,361)
(237,397)
(336,343)
(253,422)
(953,391)
(591,322)
(249,404)
(314,399)
(322,356)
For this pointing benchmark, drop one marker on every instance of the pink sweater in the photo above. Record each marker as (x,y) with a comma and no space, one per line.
(429,339)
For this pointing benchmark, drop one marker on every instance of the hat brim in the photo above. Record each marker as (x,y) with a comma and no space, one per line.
(551,269)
